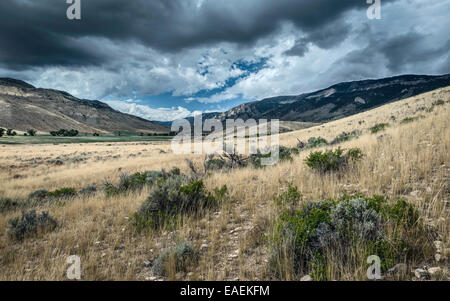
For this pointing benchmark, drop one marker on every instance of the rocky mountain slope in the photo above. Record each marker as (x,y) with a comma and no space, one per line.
(23,106)
(337,101)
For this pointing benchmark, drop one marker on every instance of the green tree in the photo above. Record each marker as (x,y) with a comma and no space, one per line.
(11,132)
(31,132)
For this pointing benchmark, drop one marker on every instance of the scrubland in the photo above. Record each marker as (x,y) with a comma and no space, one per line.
(231,241)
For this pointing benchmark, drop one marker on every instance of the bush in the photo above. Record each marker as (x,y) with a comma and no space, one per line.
(284,154)
(38,195)
(173,197)
(2,132)
(230,161)
(177,259)
(131,182)
(31,132)
(301,144)
(316,142)
(289,199)
(313,142)
(333,160)
(7,204)
(88,190)
(138,181)
(215,164)
(62,193)
(379,127)
(43,196)
(343,137)
(410,119)
(439,102)
(65,133)
(11,132)
(30,224)
(323,237)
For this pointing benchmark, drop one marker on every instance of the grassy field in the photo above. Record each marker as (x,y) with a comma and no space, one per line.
(408,160)
(48,139)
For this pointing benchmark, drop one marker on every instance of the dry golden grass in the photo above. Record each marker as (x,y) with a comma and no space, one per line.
(410,161)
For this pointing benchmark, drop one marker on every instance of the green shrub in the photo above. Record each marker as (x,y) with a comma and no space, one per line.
(215,164)
(65,133)
(181,256)
(333,160)
(284,154)
(11,132)
(172,197)
(230,161)
(410,119)
(38,195)
(255,160)
(439,102)
(403,213)
(31,132)
(30,224)
(324,236)
(138,181)
(88,190)
(131,182)
(316,142)
(2,132)
(379,127)
(7,204)
(289,199)
(62,193)
(312,143)
(343,137)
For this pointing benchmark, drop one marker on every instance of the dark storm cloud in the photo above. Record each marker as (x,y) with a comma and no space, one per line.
(300,48)
(409,49)
(37,33)
(385,55)
(399,51)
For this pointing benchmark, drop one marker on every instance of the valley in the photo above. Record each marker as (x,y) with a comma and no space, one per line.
(408,159)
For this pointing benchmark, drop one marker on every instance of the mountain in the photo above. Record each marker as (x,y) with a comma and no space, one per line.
(337,101)
(166,123)
(23,106)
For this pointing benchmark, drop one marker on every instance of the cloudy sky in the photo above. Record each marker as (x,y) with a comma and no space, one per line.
(168,59)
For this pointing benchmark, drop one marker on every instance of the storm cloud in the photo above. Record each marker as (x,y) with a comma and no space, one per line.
(209,50)
(36,33)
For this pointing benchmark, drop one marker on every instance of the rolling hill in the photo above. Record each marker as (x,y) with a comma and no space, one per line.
(337,101)
(23,106)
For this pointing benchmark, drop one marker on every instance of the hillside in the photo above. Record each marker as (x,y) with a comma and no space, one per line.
(338,101)
(23,106)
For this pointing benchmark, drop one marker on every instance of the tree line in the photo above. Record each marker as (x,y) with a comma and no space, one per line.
(11,132)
